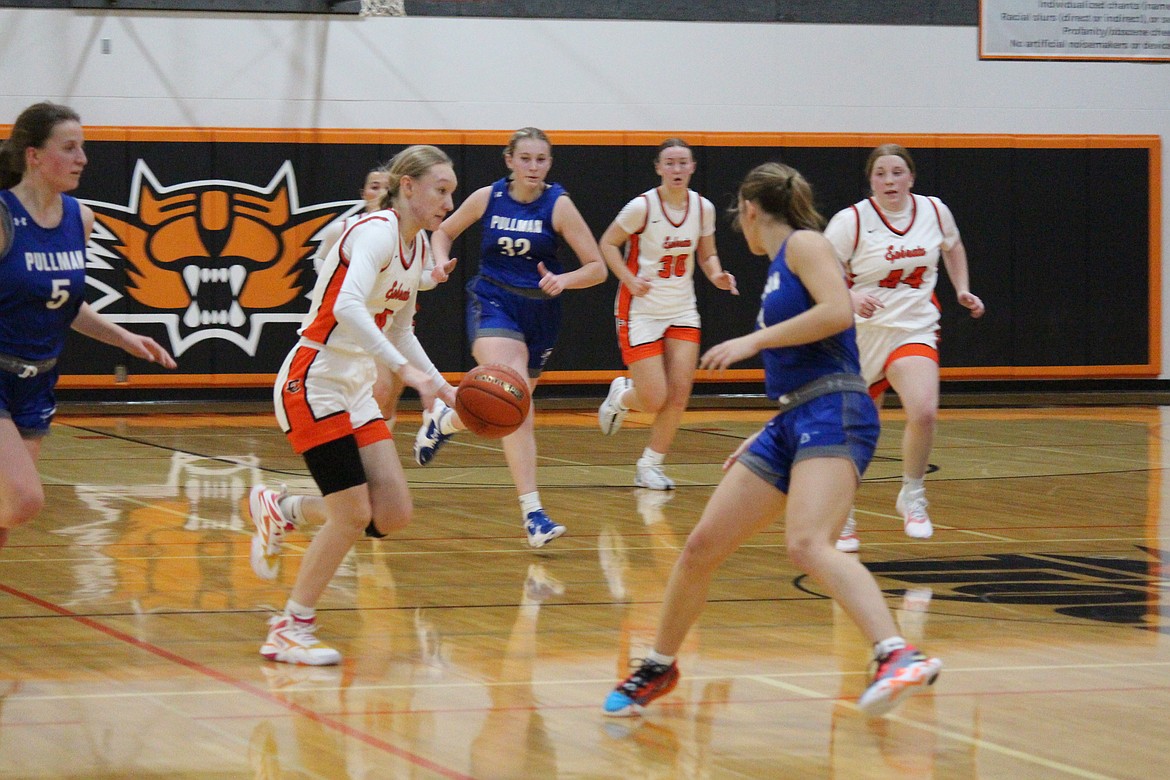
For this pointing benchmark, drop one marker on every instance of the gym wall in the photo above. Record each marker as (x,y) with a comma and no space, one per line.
(1052,169)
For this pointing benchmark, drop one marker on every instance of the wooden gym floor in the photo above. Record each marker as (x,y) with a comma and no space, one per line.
(130,619)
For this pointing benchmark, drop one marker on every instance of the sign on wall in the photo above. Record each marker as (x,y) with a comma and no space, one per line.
(1074,29)
(209,260)
(203,241)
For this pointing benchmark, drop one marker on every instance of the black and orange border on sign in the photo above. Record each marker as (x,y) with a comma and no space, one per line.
(713,141)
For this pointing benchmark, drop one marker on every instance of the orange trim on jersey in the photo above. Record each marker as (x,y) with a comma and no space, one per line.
(856,233)
(306,431)
(937,215)
(325,321)
(906,350)
(373,431)
(889,227)
(658,346)
(666,215)
(625,298)
(632,355)
(646,217)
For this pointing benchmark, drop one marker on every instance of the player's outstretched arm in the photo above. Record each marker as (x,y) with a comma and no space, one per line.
(89,323)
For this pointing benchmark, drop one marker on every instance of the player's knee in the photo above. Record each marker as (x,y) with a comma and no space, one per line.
(388,519)
(23,503)
(925,416)
(700,554)
(652,401)
(806,552)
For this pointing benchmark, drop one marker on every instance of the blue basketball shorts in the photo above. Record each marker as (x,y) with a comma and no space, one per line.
(495,311)
(835,425)
(29,403)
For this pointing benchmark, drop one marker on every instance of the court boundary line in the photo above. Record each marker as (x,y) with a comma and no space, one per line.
(240,685)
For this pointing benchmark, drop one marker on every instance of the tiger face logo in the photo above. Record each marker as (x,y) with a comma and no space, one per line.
(211,259)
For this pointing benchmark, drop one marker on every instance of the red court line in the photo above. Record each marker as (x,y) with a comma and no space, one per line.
(214,674)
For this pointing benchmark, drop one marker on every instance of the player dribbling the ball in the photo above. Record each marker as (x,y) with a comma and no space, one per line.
(325,402)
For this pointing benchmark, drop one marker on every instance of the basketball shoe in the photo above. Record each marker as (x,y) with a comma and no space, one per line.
(430,436)
(912,505)
(293,641)
(271,526)
(848,541)
(611,554)
(647,683)
(651,503)
(912,615)
(650,475)
(540,585)
(611,414)
(898,674)
(541,528)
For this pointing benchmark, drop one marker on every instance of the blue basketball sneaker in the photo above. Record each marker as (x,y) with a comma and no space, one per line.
(430,436)
(541,528)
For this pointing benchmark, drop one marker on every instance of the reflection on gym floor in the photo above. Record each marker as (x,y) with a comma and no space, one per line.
(130,618)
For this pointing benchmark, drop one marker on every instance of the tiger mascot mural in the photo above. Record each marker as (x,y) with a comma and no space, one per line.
(211,259)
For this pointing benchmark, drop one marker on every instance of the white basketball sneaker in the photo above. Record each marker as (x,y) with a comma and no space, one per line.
(848,542)
(271,526)
(293,641)
(611,414)
(650,475)
(915,521)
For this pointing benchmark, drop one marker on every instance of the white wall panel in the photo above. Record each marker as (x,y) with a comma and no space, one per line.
(237,70)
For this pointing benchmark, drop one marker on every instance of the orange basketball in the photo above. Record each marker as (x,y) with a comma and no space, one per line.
(492,400)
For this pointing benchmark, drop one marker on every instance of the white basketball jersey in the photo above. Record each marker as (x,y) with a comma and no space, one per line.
(368,260)
(663,251)
(899,266)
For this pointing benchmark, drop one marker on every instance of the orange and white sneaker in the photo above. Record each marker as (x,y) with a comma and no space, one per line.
(915,521)
(294,641)
(848,541)
(271,525)
(895,676)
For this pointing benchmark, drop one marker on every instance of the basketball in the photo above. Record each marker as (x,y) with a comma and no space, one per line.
(492,400)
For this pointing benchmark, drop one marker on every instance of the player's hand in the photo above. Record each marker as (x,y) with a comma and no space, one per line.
(550,283)
(972,304)
(447,393)
(638,286)
(149,350)
(729,352)
(420,381)
(725,281)
(442,271)
(741,449)
(864,304)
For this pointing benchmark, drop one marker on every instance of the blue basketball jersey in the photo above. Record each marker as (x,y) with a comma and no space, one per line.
(787,368)
(42,281)
(517,236)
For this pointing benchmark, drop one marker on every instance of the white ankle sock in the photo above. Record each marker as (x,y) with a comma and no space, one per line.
(651,457)
(290,507)
(447,423)
(659,658)
(530,502)
(300,611)
(625,407)
(886,646)
(913,485)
